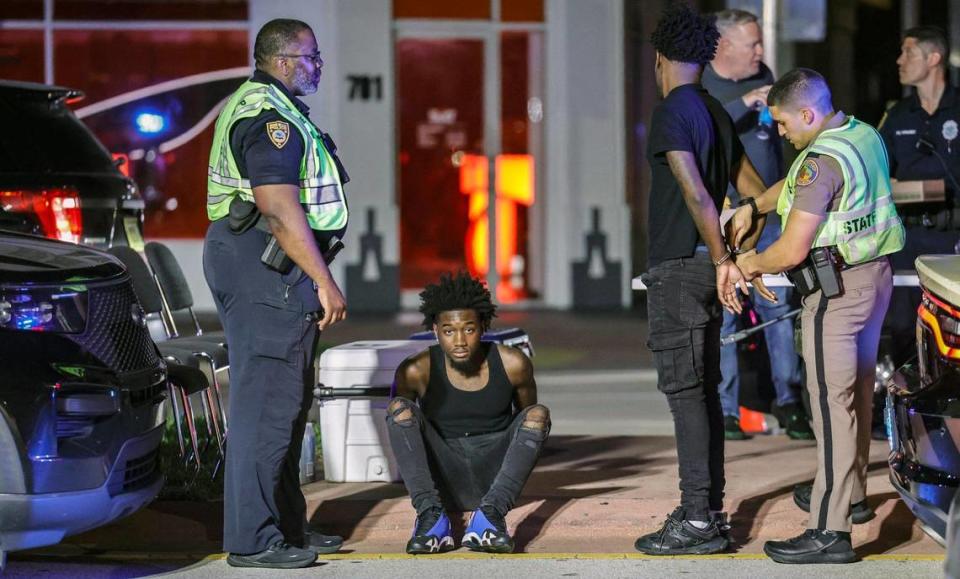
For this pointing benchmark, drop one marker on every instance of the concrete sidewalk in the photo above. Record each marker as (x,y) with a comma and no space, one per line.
(594,491)
(589,495)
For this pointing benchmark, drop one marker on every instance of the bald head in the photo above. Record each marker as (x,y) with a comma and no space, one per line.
(801,88)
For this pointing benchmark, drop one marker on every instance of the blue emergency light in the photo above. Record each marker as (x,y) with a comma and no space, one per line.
(150,123)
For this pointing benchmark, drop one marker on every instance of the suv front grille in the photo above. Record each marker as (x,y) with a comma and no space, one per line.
(137,473)
(113,335)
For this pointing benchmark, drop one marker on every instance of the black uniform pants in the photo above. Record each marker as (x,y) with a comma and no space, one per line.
(684,319)
(270,326)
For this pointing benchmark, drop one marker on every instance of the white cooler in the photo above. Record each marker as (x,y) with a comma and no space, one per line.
(353,387)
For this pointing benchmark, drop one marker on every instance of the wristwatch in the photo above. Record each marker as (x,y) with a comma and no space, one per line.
(752,202)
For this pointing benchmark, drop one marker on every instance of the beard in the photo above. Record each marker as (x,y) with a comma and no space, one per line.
(469,367)
(303,84)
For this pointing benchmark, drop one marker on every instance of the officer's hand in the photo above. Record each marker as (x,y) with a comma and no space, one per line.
(757,97)
(334,306)
(763,290)
(728,277)
(746,265)
(739,226)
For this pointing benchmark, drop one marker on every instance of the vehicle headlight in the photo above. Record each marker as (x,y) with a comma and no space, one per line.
(43,309)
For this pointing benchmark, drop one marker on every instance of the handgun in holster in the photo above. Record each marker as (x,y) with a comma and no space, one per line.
(276,258)
(819,271)
(244,215)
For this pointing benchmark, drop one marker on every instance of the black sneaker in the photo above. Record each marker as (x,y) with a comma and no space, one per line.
(859,512)
(723,524)
(431,534)
(813,546)
(280,555)
(680,537)
(322,544)
(732,430)
(487,532)
(795,420)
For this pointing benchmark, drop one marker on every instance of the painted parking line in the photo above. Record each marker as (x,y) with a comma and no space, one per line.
(593,556)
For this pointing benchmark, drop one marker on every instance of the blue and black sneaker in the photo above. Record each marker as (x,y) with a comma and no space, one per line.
(431,533)
(487,532)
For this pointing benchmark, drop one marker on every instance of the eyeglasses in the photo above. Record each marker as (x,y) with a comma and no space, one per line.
(315,57)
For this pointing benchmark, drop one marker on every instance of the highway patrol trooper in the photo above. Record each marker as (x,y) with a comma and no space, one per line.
(839,226)
(275,198)
(921,132)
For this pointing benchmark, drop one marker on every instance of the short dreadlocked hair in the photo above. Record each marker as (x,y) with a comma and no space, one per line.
(683,35)
(456,292)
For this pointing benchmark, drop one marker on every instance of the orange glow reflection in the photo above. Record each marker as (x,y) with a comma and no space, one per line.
(515,186)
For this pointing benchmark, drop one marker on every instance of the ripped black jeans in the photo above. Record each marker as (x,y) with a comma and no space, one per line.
(684,317)
(461,474)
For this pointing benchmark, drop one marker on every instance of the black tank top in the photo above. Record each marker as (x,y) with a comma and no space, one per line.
(457,413)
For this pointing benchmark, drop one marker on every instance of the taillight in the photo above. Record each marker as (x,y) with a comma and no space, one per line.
(944,321)
(58,210)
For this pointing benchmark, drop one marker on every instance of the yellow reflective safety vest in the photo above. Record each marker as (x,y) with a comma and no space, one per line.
(865,225)
(321,191)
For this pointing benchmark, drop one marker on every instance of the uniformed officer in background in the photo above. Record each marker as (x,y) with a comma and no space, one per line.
(839,224)
(275,198)
(739,79)
(921,134)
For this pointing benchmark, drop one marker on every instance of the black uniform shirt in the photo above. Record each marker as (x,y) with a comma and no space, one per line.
(906,122)
(691,120)
(266,152)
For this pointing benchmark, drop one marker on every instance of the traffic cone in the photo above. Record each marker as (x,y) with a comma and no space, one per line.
(752,422)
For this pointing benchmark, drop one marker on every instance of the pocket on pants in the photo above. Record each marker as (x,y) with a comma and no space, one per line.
(679,358)
(278,330)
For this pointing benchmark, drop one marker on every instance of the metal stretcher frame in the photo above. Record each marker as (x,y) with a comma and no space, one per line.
(904,278)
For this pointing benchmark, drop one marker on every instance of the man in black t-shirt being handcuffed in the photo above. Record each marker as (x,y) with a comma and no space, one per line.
(694,154)
(476,435)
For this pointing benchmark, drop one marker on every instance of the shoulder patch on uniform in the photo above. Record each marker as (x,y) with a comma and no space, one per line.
(279,133)
(808,172)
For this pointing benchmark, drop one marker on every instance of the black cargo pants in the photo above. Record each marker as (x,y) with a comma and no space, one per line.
(684,336)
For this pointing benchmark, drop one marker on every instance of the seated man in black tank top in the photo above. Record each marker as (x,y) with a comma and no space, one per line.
(475,437)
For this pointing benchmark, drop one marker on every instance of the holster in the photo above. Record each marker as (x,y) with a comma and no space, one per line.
(804,278)
(243,215)
(819,271)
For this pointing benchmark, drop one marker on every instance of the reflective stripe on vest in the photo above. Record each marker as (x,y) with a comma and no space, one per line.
(865,224)
(321,192)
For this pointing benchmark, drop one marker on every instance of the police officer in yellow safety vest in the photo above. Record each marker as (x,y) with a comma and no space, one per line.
(276,202)
(839,227)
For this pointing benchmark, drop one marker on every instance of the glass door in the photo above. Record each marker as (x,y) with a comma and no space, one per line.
(469,115)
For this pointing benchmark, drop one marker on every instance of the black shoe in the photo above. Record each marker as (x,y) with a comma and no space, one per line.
(813,546)
(431,534)
(487,532)
(723,524)
(732,430)
(279,556)
(795,420)
(679,537)
(322,544)
(859,512)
